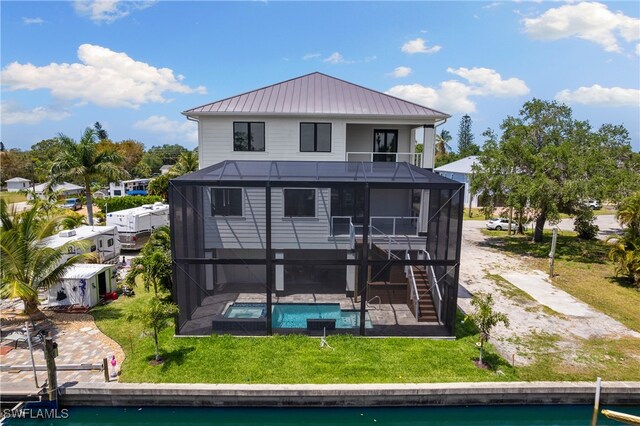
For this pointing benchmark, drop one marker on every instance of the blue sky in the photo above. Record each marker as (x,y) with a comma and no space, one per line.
(135,65)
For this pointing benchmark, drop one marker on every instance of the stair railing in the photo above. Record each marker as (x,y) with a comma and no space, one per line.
(413,287)
(433,286)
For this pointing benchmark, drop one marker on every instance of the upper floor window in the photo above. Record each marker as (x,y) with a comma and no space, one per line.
(248,136)
(300,203)
(226,201)
(315,137)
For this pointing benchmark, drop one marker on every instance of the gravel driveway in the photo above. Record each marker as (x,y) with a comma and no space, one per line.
(527,316)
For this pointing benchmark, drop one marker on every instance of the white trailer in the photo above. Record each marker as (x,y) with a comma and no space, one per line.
(102,240)
(135,225)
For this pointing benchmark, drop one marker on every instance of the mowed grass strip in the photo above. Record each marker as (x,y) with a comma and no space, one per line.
(581,268)
(293,358)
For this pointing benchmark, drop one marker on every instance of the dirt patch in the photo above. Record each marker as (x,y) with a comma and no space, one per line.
(481,271)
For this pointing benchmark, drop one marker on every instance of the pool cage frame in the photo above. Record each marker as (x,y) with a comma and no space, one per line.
(442,241)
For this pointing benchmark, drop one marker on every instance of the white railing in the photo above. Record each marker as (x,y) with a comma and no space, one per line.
(395,225)
(413,158)
(352,236)
(414,296)
(434,287)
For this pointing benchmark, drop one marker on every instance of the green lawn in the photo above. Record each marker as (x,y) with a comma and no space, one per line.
(13,197)
(293,359)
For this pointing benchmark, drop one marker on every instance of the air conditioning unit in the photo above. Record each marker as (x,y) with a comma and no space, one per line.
(67,233)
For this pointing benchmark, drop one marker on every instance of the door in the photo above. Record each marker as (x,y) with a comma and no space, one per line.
(102,284)
(385,145)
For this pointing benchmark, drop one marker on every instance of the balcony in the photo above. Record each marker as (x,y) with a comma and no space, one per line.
(378,226)
(413,158)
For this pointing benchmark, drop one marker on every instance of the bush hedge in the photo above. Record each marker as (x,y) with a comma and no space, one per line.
(127,202)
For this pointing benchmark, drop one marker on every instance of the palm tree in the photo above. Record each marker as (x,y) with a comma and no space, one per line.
(625,252)
(25,264)
(154,262)
(82,162)
(442,143)
(187,163)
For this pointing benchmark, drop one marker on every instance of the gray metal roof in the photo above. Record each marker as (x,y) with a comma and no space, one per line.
(305,172)
(317,93)
(461,166)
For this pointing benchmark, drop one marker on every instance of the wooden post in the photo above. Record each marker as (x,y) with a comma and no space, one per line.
(105,369)
(52,379)
(552,253)
(33,362)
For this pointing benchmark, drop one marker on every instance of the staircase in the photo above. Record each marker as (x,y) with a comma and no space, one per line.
(426,307)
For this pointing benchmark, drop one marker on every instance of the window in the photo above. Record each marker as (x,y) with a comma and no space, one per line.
(110,242)
(300,202)
(117,192)
(248,136)
(315,137)
(226,201)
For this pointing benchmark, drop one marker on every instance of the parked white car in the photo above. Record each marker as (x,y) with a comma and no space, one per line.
(499,224)
(594,204)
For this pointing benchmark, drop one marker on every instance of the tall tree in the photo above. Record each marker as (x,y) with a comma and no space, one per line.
(549,162)
(26,265)
(42,155)
(625,252)
(82,162)
(101,133)
(466,145)
(442,144)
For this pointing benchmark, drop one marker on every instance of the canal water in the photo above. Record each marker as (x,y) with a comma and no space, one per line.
(579,415)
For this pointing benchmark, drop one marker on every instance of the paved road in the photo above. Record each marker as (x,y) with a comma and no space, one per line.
(607,223)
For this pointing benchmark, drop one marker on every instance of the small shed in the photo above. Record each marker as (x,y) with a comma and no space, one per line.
(83,285)
(18,184)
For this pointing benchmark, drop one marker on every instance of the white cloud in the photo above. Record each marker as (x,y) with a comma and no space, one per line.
(492,5)
(590,21)
(598,95)
(170,130)
(104,77)
(336,58)
(32,21)
(311,56)
(453,96)
(401,72)
(109,10)
(419,46)
(485,81)
(13,114)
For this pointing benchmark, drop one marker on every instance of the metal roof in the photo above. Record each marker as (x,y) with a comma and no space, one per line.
(317,93)
(83,271)
(461,166)
(84,232)
(297,172)
(147,209)
(63,187)
(18,179)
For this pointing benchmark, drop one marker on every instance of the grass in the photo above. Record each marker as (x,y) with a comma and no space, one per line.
(581,268)
(294,358)
(13,197)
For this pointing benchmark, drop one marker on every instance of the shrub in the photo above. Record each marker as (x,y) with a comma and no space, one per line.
(583,224)
(127,202)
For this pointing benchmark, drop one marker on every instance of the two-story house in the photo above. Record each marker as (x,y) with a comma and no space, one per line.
(313,210)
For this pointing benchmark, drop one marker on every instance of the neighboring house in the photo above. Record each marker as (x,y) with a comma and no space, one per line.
(460,171)
(129,187)
(64,189)
(82,285)
(279,233)
(165,169)
(18,184)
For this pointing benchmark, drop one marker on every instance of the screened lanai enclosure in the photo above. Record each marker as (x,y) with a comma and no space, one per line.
(367,248)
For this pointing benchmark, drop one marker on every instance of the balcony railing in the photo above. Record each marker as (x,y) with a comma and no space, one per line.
(413,158)
(378,226)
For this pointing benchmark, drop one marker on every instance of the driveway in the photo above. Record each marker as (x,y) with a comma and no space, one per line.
(546,309)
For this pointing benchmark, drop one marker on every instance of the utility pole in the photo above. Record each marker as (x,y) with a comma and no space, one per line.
(50,352)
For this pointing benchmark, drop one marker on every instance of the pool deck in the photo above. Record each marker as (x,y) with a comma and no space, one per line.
(346,395)
(384,316)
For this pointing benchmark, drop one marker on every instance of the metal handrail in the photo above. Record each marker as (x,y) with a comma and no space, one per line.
(415,158)
(389,240)
(434,284)
(379,301)
(352,235)
(414,287)
(395,219)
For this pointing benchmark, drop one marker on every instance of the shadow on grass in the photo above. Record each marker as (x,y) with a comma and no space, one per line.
(622,282)
(175,357)
(464,328)
(495,361)
(568,247)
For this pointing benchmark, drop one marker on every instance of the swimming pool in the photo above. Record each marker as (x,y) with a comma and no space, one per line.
(295,315)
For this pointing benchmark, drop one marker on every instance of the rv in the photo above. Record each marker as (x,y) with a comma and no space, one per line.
(135,225)
(102,240)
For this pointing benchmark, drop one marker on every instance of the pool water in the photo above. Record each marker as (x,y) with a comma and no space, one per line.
(295,315)
(542,415)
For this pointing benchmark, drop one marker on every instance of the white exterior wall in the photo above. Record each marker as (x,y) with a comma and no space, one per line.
(17,186)
(282,138)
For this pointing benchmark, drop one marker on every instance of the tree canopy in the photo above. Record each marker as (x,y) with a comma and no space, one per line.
(548,162)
